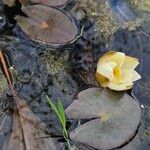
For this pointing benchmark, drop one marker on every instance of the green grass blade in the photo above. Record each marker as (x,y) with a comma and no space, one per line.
(53,106)
(61,112)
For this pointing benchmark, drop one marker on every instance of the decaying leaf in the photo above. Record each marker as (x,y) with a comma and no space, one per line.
(50,27)
(50,2)
(5,68)
(10,3)
(117,117)
(28,131)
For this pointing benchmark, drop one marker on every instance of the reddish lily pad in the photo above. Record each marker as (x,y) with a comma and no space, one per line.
(117,117)
(49,27)
(53,3)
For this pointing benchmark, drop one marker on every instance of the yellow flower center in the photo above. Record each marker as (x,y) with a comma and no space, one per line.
(117,73)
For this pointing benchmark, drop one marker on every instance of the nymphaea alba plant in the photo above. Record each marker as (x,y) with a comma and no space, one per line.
(114,118)
(47,25)
(116,71)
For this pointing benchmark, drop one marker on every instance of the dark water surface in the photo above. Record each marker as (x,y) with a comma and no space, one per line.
(61,73)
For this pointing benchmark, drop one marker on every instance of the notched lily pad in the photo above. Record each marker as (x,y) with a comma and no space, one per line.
(49,27)
(53,3)
(117,117)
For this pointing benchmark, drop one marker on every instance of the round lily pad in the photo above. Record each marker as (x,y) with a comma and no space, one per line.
(115,118)
(53,3)
(49,27)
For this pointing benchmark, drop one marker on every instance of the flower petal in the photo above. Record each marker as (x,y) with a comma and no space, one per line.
(120,87)
(130,63)
(126,76)
(103,81)
(136,76)
(117,57)
(106,69)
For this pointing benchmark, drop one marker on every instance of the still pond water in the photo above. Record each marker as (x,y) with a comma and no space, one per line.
(61,72)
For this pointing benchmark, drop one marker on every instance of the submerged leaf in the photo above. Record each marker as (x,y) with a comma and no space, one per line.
(117,116)
(50,2)
(50,27)
(28,132)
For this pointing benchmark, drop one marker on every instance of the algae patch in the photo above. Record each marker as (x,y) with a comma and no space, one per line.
(55,62)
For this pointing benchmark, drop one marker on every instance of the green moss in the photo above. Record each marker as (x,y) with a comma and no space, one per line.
(105,25)
(55,62)
(3,83)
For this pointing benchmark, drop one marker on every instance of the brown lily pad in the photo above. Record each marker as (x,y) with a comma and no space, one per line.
(49,27)
(53,3)
(117,117)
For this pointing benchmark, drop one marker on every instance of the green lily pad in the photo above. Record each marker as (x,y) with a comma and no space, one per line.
(117,117)
(50,2)
(49,27)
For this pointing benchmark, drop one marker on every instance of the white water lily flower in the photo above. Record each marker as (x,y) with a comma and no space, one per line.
(116,71)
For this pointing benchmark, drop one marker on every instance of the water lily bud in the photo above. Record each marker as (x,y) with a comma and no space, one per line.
(116,71)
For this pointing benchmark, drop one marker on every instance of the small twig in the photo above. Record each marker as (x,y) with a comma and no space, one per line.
(141,52)
(145,33)
(82,78)
(81,33)
(1,126)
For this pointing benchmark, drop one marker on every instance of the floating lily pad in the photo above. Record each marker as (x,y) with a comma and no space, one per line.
(116,118)
(50,2)
(49,27)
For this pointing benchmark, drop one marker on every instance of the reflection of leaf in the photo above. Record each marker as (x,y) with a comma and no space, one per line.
(117,116)
(28,131)
(50,2)
(50,27)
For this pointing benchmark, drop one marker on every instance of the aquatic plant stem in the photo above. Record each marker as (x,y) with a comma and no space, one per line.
(68,144)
